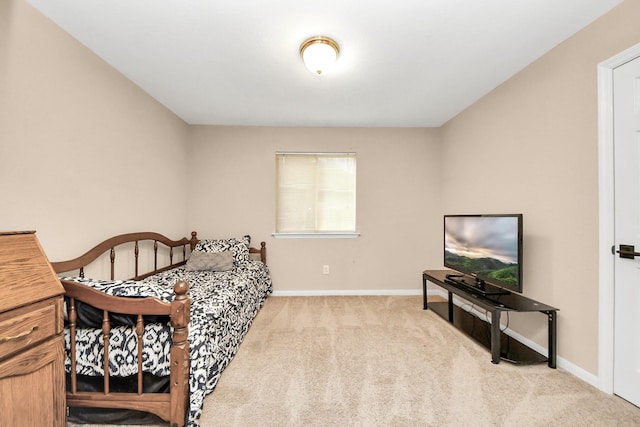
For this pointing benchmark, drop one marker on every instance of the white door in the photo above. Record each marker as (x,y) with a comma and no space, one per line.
(626,113)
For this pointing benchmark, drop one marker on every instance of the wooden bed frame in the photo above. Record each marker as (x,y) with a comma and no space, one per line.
(173,406)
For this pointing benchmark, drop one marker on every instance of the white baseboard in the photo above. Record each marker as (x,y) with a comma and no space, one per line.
(341,292)
(560,362)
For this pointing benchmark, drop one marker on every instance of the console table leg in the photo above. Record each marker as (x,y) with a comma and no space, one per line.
(495,336)
(552,338)
(424,292)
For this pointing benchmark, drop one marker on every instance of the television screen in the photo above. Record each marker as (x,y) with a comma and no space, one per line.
(486,247)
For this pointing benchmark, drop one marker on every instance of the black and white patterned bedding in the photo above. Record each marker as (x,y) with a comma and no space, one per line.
(223,305)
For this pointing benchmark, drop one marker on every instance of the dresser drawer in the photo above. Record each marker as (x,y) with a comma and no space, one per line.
(26,326)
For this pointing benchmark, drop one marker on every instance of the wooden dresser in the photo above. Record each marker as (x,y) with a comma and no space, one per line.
(32,388)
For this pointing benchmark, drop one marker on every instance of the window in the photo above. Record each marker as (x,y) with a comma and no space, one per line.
(316,194)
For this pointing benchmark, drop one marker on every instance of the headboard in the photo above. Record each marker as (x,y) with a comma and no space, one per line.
(165,254)
(111,246)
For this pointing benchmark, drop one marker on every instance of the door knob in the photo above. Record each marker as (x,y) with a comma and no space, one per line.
(628,252)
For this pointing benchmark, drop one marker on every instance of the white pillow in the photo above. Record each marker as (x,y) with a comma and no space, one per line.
(210,261)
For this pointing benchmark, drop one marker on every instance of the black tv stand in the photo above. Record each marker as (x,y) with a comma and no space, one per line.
(501,345)
(474,285)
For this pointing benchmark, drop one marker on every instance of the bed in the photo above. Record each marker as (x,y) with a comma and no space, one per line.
(156,341)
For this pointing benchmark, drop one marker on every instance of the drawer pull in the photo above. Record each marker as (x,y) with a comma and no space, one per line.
(22,335)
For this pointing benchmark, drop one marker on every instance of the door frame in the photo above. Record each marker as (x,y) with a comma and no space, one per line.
(606,219)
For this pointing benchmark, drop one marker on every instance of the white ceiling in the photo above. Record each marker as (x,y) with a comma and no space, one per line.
(405,63)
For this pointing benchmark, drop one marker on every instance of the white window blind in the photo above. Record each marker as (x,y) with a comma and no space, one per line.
(316,193)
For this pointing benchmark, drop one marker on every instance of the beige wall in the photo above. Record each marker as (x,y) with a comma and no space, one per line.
(84,153)
(530,146)
(398,199)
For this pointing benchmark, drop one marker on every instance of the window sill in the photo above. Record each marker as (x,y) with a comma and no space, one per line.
(316,235)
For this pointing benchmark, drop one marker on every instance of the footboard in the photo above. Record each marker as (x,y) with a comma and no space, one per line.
(171,407)
(165,254)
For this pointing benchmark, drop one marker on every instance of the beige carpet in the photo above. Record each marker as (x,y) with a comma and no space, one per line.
(383,361)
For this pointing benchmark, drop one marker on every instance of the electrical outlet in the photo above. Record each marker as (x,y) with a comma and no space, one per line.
(325,269)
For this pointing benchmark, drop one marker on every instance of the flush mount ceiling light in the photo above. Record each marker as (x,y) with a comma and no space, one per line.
(319,53)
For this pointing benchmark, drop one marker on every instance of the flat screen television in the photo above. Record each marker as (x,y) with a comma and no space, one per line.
(486,250)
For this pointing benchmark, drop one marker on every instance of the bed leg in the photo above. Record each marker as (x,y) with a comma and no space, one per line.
(180,309)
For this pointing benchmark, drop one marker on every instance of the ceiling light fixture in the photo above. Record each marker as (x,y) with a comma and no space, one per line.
(319,53)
